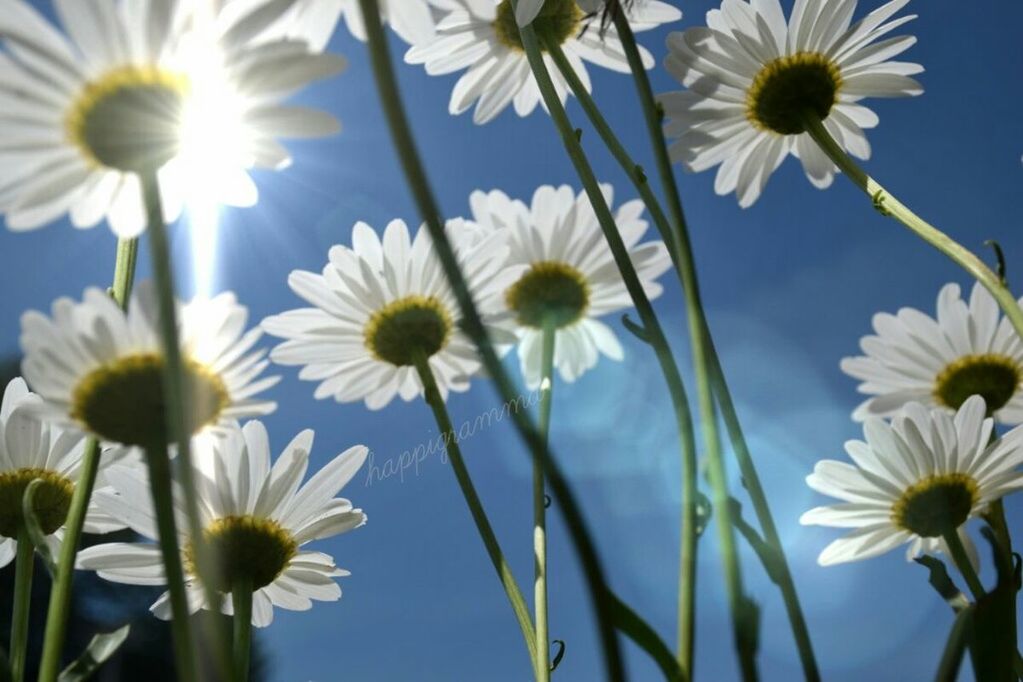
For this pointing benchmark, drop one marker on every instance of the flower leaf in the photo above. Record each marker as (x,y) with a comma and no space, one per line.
(943,583)
(98,652)
(636,629)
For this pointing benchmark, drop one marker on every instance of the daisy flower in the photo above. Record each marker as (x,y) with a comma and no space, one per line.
(482,36)
(752,78)
(256,520)
(100,369)
(29,450)
(970,349)
(564,273)
(381,305)
(925,474)
(138,86)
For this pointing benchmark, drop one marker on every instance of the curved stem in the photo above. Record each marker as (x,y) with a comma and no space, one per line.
(686,266)
(177,428)
(479,516)
(962,561)
(23,569)
(543,650)
(241,600)
(60,594)
(887,204)
(575,523)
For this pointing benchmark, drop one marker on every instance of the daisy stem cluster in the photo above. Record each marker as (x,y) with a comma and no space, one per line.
(397,120)
(479,516)
(743,611)
(887,204)
(241,602)
(60,593)
(962,561)
(543,651)
(23,569)
(158,458)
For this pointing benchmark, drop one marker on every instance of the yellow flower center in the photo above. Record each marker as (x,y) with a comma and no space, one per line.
(788,88)
(50,503)
(557,21)
(245,549)
(936,505)
(409,328)
(129,118)
(992,376)
(123,401)
(551,291)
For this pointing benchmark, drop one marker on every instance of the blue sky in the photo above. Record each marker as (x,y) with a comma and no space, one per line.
(790,286)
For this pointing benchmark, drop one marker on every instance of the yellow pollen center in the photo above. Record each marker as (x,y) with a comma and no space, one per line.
(557,21)
(788,88)
(936,505)
(994,377)
(123,401)
(246,550)
(550,292)
(129,118)
(50,503)
(408,328)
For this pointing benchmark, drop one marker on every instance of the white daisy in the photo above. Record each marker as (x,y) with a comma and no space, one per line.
(100,368)
(751,79)
(564,271)
(482,37)
(970,349)
(381,304)
(926,473)
(140,85)
(31,449)
(255,520)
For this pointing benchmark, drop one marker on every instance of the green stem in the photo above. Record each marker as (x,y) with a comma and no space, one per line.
(479,516)
(23,568)
(686,266)
(962,561)
(60,594)
(543,650)
(575,523)
(741,609)
(177,429)
(887,204)
(241,599)
(955,647)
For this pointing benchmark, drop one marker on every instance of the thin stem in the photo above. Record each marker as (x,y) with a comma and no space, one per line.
(178,430)
(962,561)
(955,647)
(23,569)
(543,650)
(60,594)
(479,516)
(241,600)
(686,266)
(887,204)
(582,541)
(741,609)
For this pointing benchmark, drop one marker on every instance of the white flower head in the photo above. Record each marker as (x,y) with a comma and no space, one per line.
(100,369)
(31,449)
(256,520)
(380,305)
(925,474)
(969,349)
(482,37)
(138,86)
(562,271)
(752,78)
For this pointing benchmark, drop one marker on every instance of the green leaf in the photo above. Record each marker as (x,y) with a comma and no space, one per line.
(955,647)
(100,649)
(993,644)
(943,583)
(767,555)
(35,531)
(636,629)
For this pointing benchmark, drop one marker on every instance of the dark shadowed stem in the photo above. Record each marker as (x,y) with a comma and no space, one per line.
(543,651)
(440,413)
(887,204)
(177,428)
(24,564)
(962,562)
(409,156)
(955,647)
(60,594)
(241,601)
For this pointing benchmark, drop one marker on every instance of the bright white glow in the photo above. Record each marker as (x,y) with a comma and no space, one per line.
(203,454)
(204,224)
